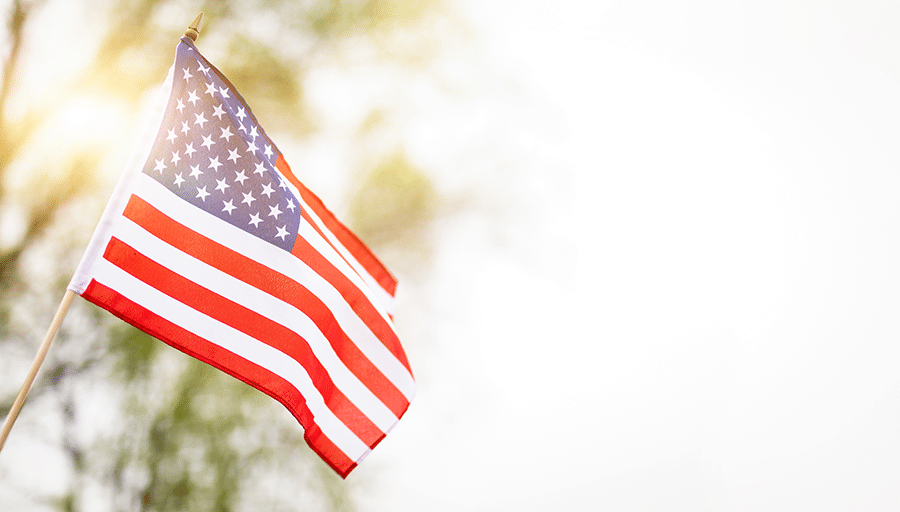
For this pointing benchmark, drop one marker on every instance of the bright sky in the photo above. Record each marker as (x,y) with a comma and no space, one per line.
(695,307)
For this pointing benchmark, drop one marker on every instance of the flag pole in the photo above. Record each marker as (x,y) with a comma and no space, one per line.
(36,365)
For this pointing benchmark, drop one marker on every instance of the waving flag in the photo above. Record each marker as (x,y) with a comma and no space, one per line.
(212,245)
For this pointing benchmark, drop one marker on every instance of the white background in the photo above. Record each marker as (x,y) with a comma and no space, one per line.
(695,305)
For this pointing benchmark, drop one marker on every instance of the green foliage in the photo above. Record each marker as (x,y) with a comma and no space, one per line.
(190,460)
(394,206)
(260,73)
(133,352)
(334,18)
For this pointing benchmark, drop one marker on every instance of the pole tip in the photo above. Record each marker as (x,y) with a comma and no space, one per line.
(193,30)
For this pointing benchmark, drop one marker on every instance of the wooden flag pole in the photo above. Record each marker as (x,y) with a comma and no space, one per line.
(36,365)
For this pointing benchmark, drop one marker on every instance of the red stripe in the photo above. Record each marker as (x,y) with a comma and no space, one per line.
(304,214)
(354,297)
(214,355)
(248,322)
(278,285)
(348,239)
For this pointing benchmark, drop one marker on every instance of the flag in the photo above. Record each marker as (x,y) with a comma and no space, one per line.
(211,244)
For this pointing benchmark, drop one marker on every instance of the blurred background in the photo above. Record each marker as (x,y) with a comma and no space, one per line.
(647,252)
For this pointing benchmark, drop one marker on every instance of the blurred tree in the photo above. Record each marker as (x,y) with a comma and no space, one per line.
(393,207)
(184,436)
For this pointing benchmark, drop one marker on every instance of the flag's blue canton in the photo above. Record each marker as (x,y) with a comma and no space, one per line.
(212,154)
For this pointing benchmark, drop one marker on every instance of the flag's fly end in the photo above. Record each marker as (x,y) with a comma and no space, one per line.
(193,30)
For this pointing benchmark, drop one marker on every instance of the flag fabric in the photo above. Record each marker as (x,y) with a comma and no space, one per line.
(211,244)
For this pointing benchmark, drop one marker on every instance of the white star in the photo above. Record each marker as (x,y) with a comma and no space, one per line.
(200,119)
(241,177)
(187,74)
(202,193)
(160,166)
(207,141)
(192,98)
(229,206)
(180,106)
(185,127)
(240,114)
(195,171)
(254,133)
(251,147)
(202,69)
(274,211)
(172,135)
(218,112)
(189,150)
(224,92)
(233,155)
(226,133)
(291,204)
(268,151)
(175,157)
(260,169)
(255,220)
(267,190)
(222,185)
(211,89)
(214,164)
(179,180)
(248,199)
(282,233)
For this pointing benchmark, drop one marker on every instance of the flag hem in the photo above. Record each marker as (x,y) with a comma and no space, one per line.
(122,191)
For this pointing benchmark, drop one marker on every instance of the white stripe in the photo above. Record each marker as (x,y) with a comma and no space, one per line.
(325,249)
(374,291)
(272,308)
(238,343)
(381,296)
(289,265)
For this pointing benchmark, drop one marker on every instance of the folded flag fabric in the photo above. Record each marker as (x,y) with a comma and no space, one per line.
(211,244)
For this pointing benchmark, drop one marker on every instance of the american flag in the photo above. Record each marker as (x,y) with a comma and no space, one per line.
(211,244)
